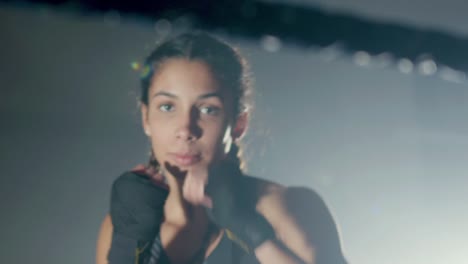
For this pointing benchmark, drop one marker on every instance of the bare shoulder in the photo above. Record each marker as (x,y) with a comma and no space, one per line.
(262,188)
(104,240)
(310,214)
(302,222)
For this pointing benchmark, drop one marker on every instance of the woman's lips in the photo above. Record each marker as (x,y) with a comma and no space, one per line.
(186,159)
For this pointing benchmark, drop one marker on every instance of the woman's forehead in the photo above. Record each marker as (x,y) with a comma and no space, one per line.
(184,76)
(187,78)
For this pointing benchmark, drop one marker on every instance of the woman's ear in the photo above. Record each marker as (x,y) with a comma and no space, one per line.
(240,127)
(144,119)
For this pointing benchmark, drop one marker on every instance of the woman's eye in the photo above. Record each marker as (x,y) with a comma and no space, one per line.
(166,108)
(210,110)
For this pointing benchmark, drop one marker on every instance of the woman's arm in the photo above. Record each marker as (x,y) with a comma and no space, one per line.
(274,252)
(304,226)
(104,241)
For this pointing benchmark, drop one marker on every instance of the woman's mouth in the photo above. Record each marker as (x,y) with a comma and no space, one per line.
(186,159)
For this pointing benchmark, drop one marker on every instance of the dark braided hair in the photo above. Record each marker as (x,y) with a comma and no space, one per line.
(228,66)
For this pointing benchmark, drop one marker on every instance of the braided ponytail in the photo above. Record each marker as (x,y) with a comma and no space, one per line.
(153,164)
(235,156)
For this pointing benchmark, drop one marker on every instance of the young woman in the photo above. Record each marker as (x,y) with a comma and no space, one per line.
(193,203)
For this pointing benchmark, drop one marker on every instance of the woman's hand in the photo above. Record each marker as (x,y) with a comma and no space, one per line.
(192,182)
(194,187)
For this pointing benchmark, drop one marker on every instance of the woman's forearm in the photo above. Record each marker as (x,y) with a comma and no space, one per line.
(272,252)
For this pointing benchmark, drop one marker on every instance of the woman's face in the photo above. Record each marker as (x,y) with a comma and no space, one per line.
(188,117)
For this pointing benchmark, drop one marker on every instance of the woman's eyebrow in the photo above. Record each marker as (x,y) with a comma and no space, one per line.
(163,93)
(200,97)
(208,95)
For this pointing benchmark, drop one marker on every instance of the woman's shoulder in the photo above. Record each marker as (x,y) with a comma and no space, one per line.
(279,201)
(262,187)
(289,194)
(302,220)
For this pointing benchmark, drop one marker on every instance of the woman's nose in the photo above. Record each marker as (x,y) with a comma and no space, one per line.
(184,133)
(188,129)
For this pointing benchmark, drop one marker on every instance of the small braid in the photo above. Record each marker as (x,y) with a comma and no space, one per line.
(153,163)
(235,156)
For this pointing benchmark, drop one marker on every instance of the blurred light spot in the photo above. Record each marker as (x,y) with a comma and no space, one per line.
(145,71)
(451,75)
(427,67)
(136,66)
(183,23)
(112,18)
(332,52)
(271,43)
(383,60)
(405,66)
(163,27)
(362,58)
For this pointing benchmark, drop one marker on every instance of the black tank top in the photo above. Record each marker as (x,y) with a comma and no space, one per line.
(226,252)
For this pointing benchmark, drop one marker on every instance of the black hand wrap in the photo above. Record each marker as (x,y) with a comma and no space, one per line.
(233,208)
(136,211)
